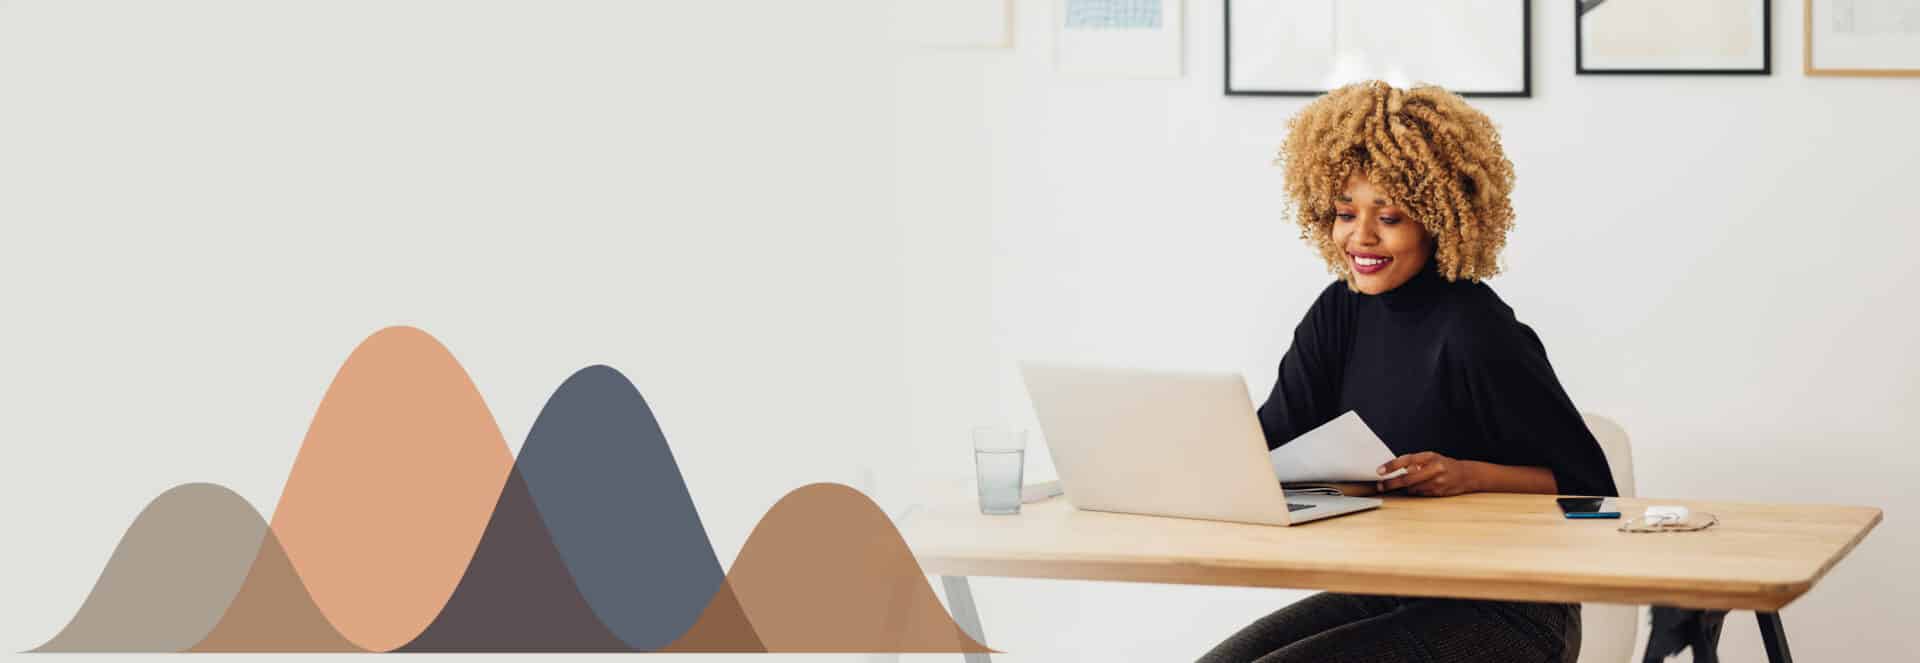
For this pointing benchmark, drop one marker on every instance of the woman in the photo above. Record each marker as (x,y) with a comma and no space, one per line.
(1405,194)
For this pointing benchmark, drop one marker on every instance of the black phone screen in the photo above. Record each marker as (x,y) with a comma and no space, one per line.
(1581,504)
(1589,507)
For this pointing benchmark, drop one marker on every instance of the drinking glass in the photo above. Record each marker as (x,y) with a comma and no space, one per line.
(999,461)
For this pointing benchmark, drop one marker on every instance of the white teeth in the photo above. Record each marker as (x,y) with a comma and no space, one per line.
(1370,261)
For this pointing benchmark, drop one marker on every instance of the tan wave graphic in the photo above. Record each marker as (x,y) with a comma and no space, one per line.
(826,571)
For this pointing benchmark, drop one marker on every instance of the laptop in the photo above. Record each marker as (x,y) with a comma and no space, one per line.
(1159,443)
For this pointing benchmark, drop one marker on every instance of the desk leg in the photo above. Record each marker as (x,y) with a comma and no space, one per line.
(1775,636)
(960,600)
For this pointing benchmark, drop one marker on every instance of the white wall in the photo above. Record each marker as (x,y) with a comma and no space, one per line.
(1719,263)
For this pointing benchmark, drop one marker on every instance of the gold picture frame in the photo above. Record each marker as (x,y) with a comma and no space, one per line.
(1806,59)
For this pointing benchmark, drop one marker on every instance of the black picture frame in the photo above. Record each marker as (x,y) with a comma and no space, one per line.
(1526,63)
(1581,7)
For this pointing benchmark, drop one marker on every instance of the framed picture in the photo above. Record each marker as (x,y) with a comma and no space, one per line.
(1673,37)
(1863,38)
(1117,38)
(1306,47)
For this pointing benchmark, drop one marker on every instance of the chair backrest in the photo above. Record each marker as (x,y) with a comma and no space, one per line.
(1619,450)
(1609,633)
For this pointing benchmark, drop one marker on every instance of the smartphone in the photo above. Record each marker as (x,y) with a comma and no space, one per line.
(1589,507)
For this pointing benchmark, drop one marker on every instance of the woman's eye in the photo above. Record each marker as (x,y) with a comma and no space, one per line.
(1389,220)
(1343,216)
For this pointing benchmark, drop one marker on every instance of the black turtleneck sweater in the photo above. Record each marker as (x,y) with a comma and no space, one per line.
(1435,366)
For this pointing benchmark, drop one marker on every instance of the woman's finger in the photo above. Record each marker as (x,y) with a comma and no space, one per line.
(1402,462)
(1416,475)
(1441,485)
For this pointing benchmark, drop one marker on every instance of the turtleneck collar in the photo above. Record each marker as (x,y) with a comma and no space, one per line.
(1418,292)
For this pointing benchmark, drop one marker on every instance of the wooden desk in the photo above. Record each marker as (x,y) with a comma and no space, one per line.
(1759,557)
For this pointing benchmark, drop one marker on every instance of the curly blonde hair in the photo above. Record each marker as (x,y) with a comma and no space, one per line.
(1436,156)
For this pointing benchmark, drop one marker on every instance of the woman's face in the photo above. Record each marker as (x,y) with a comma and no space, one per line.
(1383,246)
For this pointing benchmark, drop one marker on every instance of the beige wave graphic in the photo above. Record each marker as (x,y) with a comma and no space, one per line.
(173,574)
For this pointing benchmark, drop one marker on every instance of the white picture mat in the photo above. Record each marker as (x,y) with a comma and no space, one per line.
(1674,34)
(1310,45)
(1875,41)
(1119,53)
(975,23)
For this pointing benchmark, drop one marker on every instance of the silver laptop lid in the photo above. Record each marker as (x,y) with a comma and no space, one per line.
(1183,444)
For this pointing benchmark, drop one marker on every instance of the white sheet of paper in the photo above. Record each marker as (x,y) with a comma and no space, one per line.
(1344,449)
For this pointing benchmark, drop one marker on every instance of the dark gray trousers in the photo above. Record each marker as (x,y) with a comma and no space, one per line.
(1350,628)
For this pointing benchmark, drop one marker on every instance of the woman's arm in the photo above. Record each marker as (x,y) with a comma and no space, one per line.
(1497,478)
(1306,390)
(1435,475)
(1521,408)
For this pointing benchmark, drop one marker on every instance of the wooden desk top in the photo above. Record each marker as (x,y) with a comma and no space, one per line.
(1489,546)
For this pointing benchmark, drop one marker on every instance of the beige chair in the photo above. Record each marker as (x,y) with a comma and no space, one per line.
(1609,632)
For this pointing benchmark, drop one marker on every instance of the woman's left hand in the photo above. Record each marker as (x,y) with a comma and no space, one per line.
(1430,474)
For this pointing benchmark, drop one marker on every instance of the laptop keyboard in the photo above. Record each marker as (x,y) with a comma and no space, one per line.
(1291,507)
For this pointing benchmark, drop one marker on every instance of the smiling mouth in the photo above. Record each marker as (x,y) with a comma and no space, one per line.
(1367,263)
